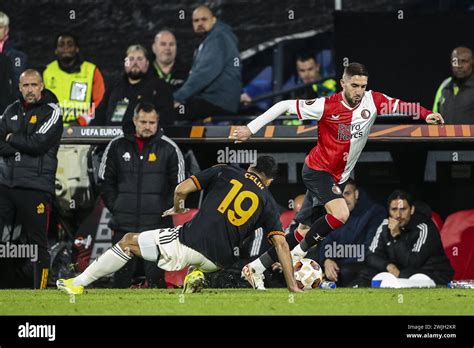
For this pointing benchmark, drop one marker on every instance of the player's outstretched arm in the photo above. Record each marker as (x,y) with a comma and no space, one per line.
(283,252)
(180,193)
(243,133)
(388,105)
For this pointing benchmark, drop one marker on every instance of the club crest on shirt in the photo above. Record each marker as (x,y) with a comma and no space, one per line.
(126,156)
(40,208)
(365,114)
(336,189)
(309,101)
(151,157)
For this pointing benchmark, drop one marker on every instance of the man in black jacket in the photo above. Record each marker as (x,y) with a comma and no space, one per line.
(135,86)
(30,132)
(139,173)
(166,65)
(405,244)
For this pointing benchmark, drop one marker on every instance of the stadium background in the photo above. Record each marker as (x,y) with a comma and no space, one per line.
(418,44)
(407,58)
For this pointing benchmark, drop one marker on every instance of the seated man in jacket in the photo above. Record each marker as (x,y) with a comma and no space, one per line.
(405,244)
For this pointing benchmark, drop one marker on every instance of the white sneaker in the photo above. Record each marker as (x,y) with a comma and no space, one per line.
(255,279)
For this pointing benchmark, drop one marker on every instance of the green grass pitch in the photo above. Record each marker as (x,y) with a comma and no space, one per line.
(437,301)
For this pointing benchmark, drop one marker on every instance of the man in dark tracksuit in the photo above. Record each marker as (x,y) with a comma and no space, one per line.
(30,132)
(405,244)
(139,173)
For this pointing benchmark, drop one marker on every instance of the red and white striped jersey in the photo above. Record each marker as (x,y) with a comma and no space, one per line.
(343,131)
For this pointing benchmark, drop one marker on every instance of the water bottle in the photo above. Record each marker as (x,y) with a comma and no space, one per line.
(461,284)
(326,284)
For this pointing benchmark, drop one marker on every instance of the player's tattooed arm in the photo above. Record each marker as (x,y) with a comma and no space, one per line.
(180,194)
(283,252)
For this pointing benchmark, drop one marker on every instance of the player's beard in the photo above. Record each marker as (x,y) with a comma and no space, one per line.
(201,36)
(351,101)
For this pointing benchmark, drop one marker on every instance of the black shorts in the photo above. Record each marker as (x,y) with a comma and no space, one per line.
(321,189)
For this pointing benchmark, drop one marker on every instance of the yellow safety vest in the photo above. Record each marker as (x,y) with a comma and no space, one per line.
(73,90)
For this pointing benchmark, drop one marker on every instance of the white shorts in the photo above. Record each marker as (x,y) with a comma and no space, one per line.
(173,255)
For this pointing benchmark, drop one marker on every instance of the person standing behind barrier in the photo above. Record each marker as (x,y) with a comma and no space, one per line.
(136,85)
(78,84)
(214,83)
(18,59)
(166,66)
(139,173)
(30,132)
(455,96)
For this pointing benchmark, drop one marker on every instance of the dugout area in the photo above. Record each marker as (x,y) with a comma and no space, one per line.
(406,46)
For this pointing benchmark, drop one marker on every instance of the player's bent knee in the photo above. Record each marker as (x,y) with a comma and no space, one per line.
(147,246)
(129,239)
(338,209)
(128,242)
(303,229)
(342,216)
(341,213)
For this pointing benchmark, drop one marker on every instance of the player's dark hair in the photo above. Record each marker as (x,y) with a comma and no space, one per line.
(267,166)
(67,34)
(356,69)
(145,107)
(303,56)
(400,194)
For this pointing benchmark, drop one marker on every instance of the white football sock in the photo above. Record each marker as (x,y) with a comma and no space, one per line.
(298,251)
(258,266)
(109,262)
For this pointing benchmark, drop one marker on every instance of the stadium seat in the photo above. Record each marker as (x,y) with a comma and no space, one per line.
(176,278)
(437,220)
(286,217)
(183,218)
(457,236)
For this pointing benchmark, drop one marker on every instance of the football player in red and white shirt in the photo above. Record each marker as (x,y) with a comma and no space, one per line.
(344,123)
